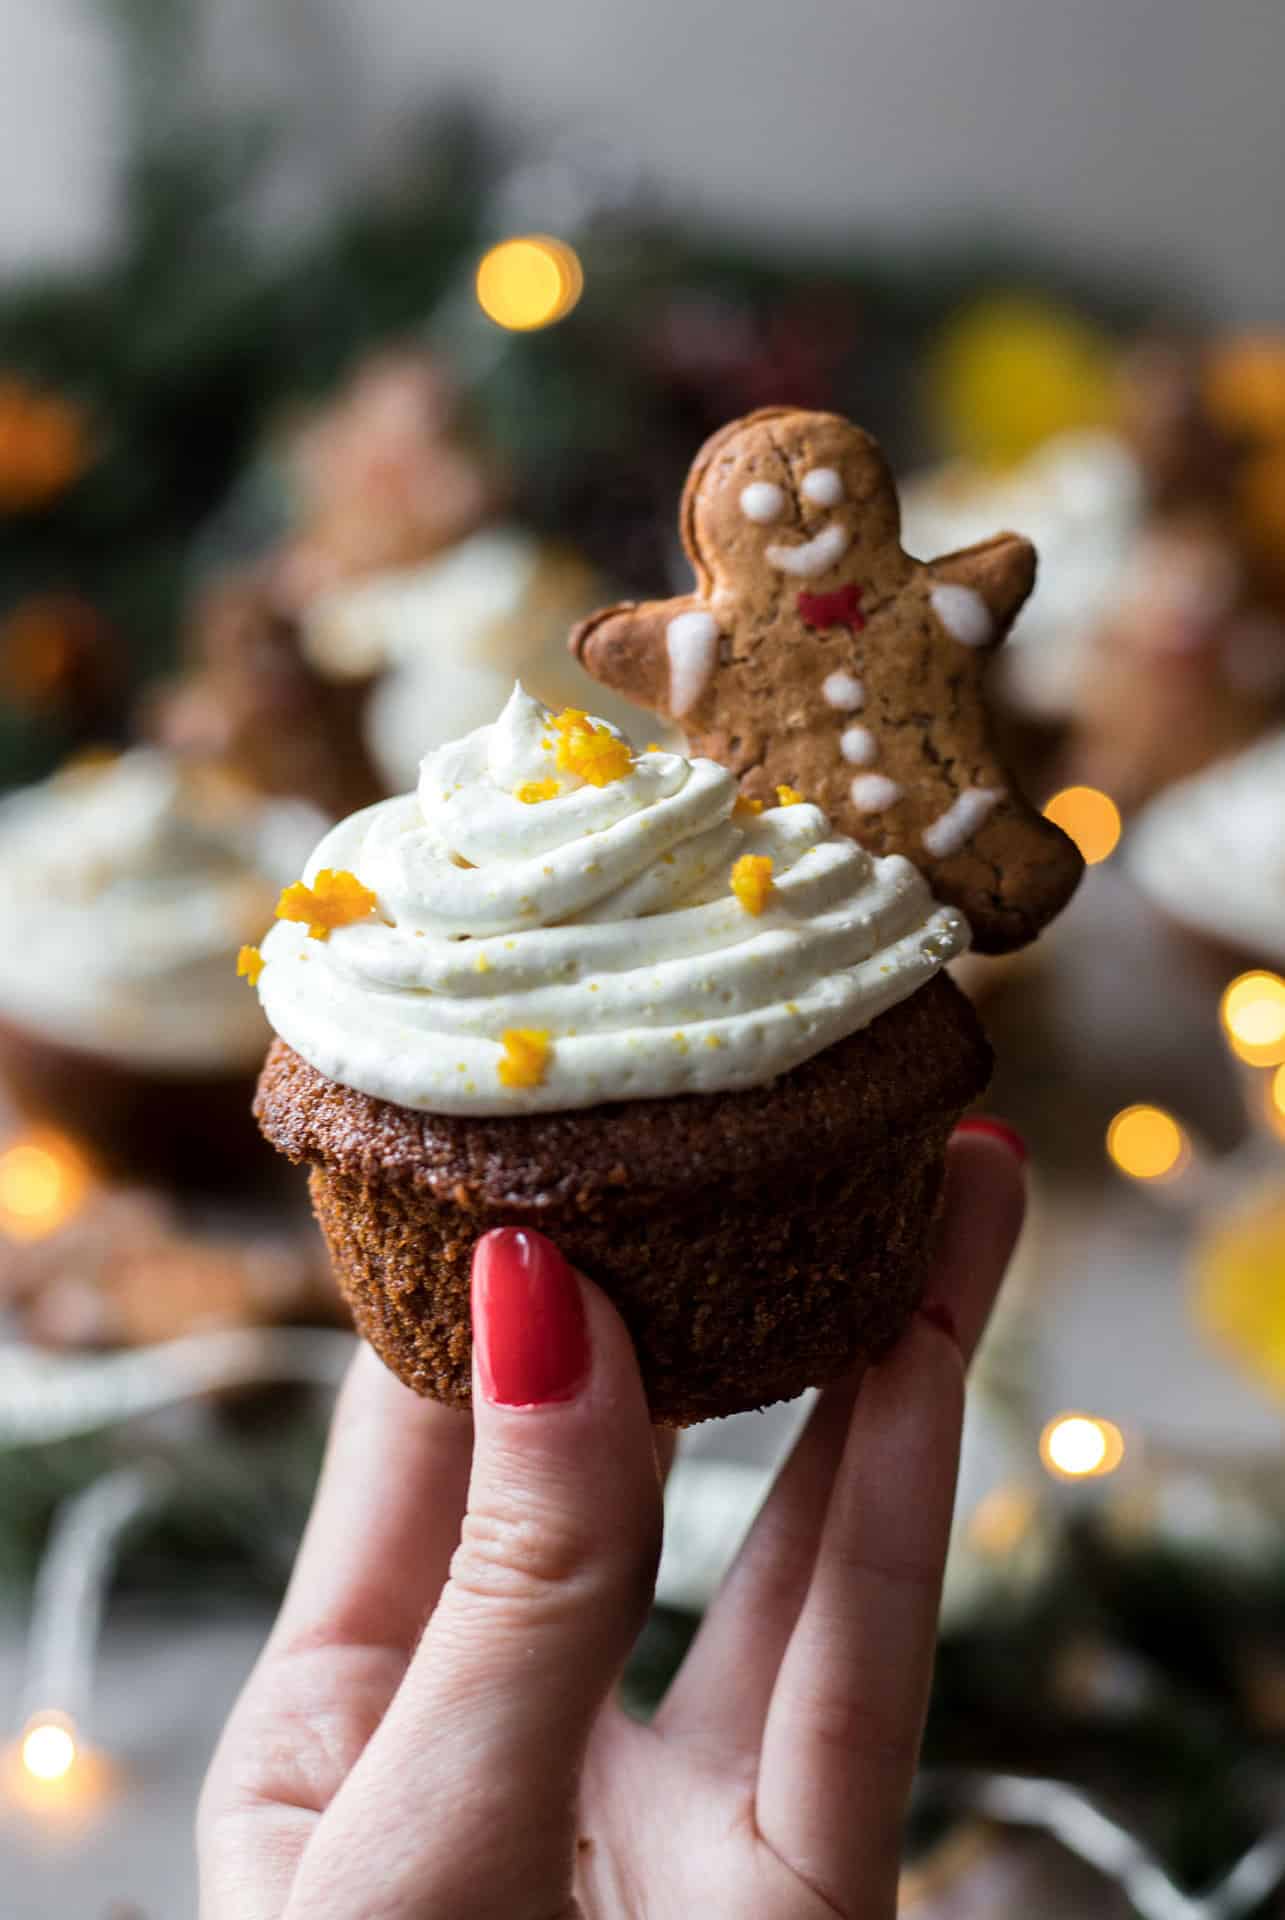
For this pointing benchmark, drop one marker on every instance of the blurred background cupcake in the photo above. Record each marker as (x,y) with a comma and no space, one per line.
(132,881)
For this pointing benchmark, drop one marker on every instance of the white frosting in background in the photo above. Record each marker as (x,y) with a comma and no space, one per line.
(843,691)
(952,830)
(129,888)
(823,486)
(808,558)
(1210,851)
(604,917)
(691,641)
(1079,499)
(762,501)
(964,614)
(451,636)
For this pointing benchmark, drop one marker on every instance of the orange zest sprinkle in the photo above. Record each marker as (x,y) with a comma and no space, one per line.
(752,881)
(589,749)
(745,807)
(531,792)
(336,898)
(249,965)
(525,1057)
(789,797)
(653,746)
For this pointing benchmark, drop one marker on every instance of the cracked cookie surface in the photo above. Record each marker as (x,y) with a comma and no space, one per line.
(816,654)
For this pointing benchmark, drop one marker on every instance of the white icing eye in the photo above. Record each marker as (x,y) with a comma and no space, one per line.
(762,501)
(823,487)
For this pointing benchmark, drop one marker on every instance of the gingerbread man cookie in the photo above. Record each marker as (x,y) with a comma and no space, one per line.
(816,655)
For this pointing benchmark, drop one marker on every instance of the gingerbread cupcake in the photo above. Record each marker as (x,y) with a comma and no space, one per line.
(286,654)
(709,1047)
(130,883)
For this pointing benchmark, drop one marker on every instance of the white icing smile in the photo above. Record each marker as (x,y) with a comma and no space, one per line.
(811,557)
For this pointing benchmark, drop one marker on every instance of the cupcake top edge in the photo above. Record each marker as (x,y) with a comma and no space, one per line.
(555,919)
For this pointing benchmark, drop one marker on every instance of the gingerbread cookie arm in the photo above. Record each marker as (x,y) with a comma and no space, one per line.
(980,590)
(661,654)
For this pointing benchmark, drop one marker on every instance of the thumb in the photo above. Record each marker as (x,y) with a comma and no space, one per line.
(483,1746)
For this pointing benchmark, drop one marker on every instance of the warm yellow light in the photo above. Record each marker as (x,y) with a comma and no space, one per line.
(49,1750)
(43,1182)
(1253,1017)
(1147,1143)
(1276,1101)
(1076,1446)
(1090,818)
(529,282)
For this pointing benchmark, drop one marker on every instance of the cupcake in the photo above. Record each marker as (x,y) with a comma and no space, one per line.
(131,882)
(386,475)
(711,1050)
(1210,854)
(381,482)
(255,702)
(1188,667)
(1188,661)
(441,643)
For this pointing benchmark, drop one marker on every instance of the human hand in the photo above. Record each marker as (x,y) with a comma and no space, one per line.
(477,1767)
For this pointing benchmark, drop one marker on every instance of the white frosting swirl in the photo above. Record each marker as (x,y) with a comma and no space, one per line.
(129,888)
(1211,850)
(603,917)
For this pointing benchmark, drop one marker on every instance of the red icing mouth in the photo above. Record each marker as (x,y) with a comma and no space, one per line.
(842,608)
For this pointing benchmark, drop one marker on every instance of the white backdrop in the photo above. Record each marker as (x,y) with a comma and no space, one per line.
(1143,130)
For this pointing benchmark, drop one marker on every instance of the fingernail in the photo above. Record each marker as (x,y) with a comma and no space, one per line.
(528,1320)
(983,1124)
(939,1315)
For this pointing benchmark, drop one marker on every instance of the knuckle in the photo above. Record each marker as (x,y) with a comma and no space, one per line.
(518,1553)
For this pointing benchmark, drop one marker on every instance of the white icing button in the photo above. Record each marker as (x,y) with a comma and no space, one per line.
(858,746)
(964,614)
(811,557)
(822,486)
(844,691)
(955,828)
(762,501)
(691,641)
(872,792)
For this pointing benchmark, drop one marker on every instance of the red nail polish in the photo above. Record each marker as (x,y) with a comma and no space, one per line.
(983,1124)
(528,1320)
(939,1315)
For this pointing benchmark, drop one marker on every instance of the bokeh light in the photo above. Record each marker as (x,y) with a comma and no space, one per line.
(1079,1446)
(1253,1017)
(49,1749)
(1147,1143)
(1276,1102)
(529,282)
(1090,818)
(1001,1521)
(44,1181)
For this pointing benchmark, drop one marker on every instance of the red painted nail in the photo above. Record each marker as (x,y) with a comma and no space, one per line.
(939,1315)
(982,1123)
(528,1320)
